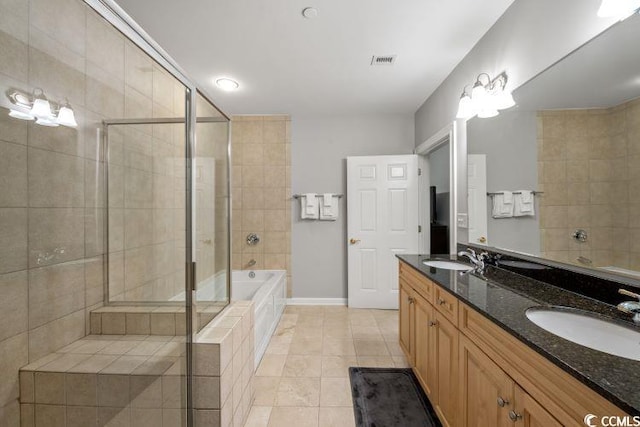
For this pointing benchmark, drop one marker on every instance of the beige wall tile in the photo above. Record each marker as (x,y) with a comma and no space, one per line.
(12,130)
(253,176)
(104,94)
(13,234)
(80,416)
(138,68)
(13,304)
(13,355)
(55,180)
(105,47)
(55,228)
(14,47)
(56,334)
(64,20)
(13,175)
(252,154)
(50,415)
(138,323)
(113,390)
(275,176)
(55,291)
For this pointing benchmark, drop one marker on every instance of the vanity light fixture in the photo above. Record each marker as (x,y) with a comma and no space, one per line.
(38,107)
(227,84)
(487,97)
(618,8)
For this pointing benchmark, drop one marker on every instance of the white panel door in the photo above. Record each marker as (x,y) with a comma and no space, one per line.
(382,210)
(477,194)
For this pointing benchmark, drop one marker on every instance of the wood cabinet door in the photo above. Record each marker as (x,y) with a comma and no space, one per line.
(529,413)
(446,360)
(486,391)
(406,321)
(424,329)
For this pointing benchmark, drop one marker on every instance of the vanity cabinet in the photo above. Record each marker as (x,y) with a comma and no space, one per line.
(430,341)
(478,375)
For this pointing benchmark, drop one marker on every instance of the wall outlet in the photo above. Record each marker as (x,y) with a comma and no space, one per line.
(463,220)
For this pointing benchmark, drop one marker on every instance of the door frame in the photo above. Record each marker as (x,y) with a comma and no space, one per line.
(446,134)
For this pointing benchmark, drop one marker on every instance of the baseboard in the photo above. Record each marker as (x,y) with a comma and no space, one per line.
(316,301)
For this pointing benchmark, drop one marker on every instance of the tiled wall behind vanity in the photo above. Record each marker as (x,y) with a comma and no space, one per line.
(589,170)
(52,209)
(261,181)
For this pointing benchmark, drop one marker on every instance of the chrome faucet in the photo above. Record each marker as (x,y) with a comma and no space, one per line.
(631,307)
(251,263)
(478,260)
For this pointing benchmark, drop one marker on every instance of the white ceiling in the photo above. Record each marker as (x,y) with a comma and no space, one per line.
(287,64)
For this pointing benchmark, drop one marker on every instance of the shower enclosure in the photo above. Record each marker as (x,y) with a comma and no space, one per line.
(114,219)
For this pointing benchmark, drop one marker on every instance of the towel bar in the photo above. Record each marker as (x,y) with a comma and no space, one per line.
(297,196)
(535,193)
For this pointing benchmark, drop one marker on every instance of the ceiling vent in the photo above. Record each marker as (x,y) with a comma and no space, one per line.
(383,60)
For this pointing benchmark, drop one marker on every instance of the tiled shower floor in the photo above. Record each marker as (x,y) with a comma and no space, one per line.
(303,378)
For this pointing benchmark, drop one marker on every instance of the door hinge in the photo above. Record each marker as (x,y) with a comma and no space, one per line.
(419,171)
(419,229)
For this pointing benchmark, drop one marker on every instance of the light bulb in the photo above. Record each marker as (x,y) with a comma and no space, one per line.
(66,117)
(618,8)
(465,107)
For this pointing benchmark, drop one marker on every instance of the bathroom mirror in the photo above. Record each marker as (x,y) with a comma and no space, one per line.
(574,137)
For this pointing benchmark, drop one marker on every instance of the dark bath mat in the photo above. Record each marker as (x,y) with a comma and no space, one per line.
(388,397)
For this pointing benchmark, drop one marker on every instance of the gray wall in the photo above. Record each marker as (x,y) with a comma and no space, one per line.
(509,141)
(320,146)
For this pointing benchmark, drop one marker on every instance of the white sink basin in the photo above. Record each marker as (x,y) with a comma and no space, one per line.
(447,265)
(586,330)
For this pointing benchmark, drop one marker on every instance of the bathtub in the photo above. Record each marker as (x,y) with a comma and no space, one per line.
(268,290)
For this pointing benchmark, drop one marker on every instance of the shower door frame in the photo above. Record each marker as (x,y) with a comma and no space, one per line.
(116,16)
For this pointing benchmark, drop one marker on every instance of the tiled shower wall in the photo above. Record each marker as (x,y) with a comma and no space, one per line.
(51,199)
(261,181)
(589,170)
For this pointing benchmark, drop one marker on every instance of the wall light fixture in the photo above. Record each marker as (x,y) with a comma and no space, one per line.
(487,97)
(38,107)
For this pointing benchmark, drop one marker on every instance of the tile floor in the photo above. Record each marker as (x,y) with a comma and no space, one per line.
(303,379)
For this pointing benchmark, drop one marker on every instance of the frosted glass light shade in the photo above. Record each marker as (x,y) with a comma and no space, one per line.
(47,122)
(66,117)
(465,108)
(503,100)
(41,108)
(20,115)
(487,113)
(617,8)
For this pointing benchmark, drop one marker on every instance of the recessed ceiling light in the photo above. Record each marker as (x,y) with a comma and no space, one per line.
(310,12)
(227,84)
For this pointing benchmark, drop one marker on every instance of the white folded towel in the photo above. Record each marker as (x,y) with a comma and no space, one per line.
(502,205)
(524,203)
(329,208)
(309,206)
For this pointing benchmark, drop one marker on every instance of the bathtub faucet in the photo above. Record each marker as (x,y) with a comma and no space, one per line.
(251,263)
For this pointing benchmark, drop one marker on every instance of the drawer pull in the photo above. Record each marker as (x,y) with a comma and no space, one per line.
(502,402)
(441,301)
(514,416)
(411,300)
(432,323)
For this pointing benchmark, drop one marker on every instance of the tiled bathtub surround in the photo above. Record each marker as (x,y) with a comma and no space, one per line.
(588,163)
(261,181)
(224,367)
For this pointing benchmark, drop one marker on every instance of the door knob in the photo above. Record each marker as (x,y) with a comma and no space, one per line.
(482,239)
(354,241)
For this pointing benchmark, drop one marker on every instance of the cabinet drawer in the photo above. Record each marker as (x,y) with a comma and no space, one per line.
(446,304)
(417,281)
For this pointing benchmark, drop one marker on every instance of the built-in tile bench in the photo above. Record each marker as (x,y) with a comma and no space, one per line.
(138,380)
(148,320)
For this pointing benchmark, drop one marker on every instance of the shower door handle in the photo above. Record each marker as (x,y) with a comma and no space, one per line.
(354,241)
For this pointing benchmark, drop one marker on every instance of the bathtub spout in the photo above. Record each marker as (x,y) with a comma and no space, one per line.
(251,263)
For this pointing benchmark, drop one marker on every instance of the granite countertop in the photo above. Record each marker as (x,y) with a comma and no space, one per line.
(503,297)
